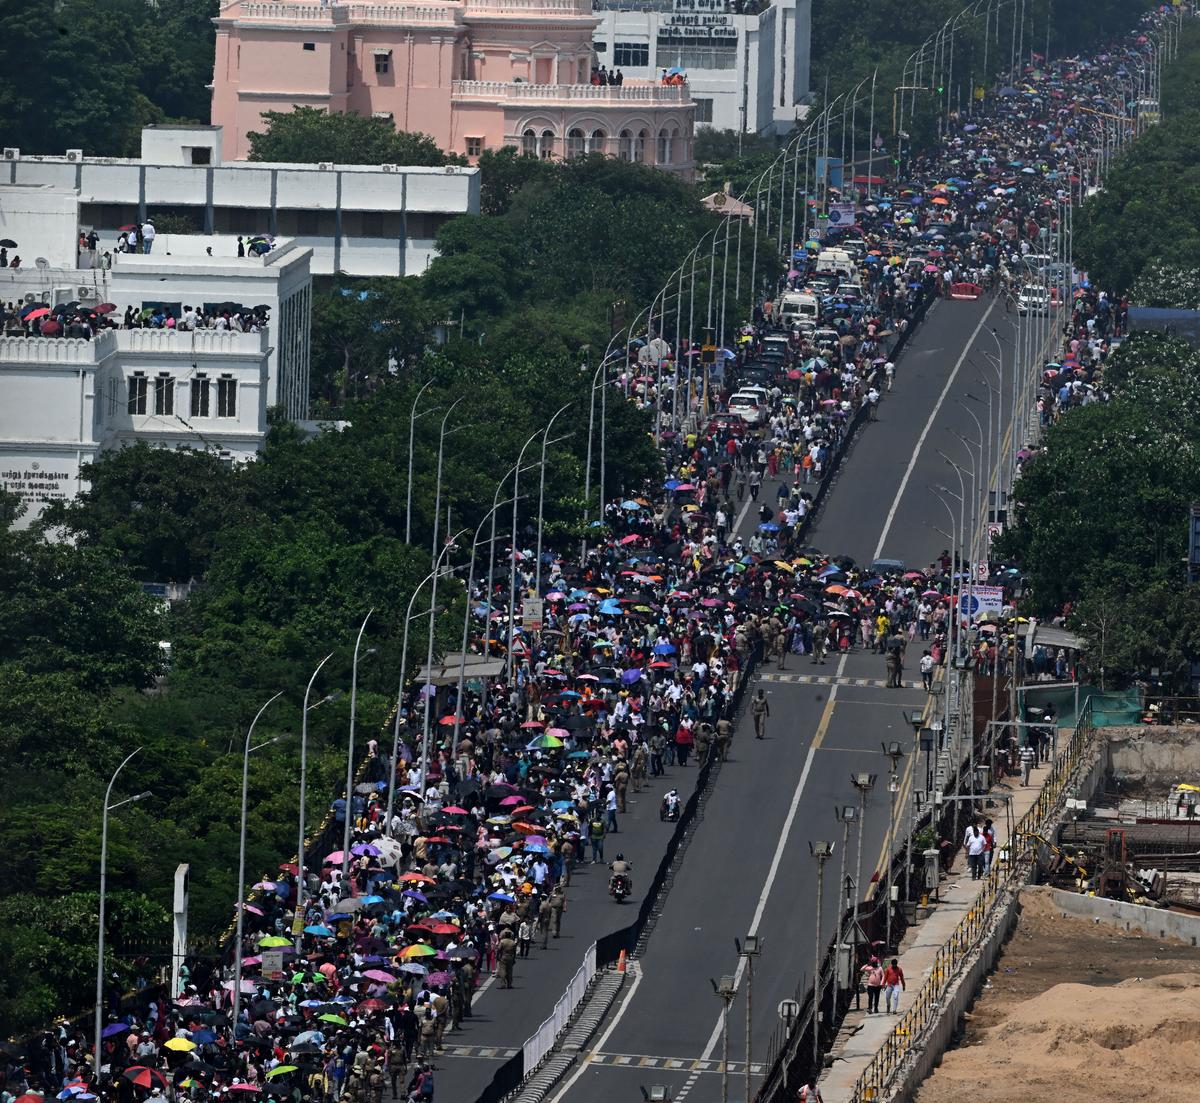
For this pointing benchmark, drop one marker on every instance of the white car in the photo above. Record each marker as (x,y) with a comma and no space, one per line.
(1033,299)
(748,407)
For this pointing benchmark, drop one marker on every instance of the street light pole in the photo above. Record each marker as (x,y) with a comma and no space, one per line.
(537,585)
(103,896)
(241,893)
(864,783)
(726,989)
(822,851)
(349,816)
(512,577)
(846,814)
(894,752)
(298,927)
(412,426)
(749,949)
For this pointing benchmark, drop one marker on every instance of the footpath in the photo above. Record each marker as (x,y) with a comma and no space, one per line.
(866,1040)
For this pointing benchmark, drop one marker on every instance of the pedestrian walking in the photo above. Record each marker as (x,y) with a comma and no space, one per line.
(760,709)
(1028,757)
(507,958)
(975,843)
(893,985)
(872,978)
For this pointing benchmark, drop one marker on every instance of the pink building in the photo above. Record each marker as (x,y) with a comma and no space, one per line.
(473,74)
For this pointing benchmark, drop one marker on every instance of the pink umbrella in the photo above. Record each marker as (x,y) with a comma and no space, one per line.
(454,810)
(256,960)
(532,724)
(252,908)
(558,733)
(379,975)
(509,802)
(245,1088)
(632,538)
(334,858)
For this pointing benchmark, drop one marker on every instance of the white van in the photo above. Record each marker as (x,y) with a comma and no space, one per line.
(837,262)
(798,306)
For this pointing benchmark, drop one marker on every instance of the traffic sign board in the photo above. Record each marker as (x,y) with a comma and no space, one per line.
(789,1010)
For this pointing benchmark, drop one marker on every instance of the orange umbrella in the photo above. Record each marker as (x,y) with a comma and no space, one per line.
(418,877)
(526,828)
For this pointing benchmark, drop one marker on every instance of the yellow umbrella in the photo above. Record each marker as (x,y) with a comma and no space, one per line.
(785,566)
(181,1044)
(280,1070)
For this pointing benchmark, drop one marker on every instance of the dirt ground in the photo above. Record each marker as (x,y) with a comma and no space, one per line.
(1077,1011)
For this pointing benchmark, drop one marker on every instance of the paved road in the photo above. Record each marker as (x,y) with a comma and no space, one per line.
(748,869)
(826,723)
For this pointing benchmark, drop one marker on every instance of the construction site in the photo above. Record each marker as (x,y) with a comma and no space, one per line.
(1076,1007)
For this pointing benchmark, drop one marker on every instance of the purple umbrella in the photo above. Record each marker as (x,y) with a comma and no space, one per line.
(434,979)
(415,896)
(632,675)
(114,1029)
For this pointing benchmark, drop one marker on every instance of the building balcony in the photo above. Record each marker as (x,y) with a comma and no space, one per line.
(281,14)
(628,95)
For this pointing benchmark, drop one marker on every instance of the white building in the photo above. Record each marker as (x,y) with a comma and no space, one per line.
(747,63)
(189,270)
(359,220)
(64,401)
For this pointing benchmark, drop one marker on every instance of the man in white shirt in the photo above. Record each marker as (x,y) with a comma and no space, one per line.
(148,234)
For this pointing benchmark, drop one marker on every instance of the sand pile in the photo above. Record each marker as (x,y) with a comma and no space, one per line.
(1075,1011)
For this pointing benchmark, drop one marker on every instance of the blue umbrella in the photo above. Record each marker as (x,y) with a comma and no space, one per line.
(610,608)
(114,1029)
(769,526)
(564,805)
(671,484)
(412,894)
(317,929)
(203,1037)
(574,754)
(631,504)
(372,899)
(632,675)
(664,649)
(537,848)
(502,896)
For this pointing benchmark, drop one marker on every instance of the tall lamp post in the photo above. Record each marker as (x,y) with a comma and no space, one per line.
(822,851)
(537,584)
(103,890)
(895,753)
(917,721)
(412,426)
(864,783)
(298,924)
(349,816)
(749,949)
(726,989)
(241,900)
(846,815)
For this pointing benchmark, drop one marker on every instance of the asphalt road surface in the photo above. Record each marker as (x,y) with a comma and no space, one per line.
(748,868)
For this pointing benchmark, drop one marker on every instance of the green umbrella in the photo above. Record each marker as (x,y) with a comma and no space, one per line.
(274,940)
(329,1017)
(280,1070)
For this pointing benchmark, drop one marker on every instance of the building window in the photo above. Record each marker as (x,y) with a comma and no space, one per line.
(137,394)
(529,143)
(546,151)
(200,396)
(665,139)
(640,145)
(703,110)
(310,47)
(474,147)
(631,54)
(383,64)
(697,53)
(625,146)
(575,142)
(164,394)
(596,143)
(201,155)
(227,396)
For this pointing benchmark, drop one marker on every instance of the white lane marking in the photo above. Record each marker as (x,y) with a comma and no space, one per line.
(912,462)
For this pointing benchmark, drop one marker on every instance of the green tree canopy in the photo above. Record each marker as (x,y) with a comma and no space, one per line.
(308,134)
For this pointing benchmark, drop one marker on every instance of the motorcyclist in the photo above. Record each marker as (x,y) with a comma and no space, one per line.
(621,869)
(671,804)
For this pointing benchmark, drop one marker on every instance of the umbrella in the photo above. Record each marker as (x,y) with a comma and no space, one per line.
(502,896)
(274,940)
(310,1036)
(330,1017)
(319,929)
(181,1044)
(544,743)
(145,1077)
(420,949)
(244,1088)
(281,1070)
(114,1029)
(7,243)
(380,975)
(40,312)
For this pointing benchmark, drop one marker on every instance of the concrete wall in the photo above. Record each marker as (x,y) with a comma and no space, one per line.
(43,223)
(1157,756)
(1117,913)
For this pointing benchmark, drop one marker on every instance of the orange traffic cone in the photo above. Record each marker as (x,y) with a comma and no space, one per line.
(621,962)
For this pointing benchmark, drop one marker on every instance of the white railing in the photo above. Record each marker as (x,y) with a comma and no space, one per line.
(666,95)
(507,7)
(56,350)
(541,1041)
(287,13)
(393,14)
(215,341)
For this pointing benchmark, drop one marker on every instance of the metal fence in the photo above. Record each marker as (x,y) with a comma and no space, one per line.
(1012,866)
(541,1041)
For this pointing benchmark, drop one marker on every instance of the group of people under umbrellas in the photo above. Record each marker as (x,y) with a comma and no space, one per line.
(634,667)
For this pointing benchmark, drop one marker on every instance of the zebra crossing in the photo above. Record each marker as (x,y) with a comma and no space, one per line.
(670,1064)
(493,1053)
(831,680)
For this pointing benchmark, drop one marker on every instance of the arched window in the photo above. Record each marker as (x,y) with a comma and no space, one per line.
(641,145)
(575,142)
(598,143)
(666,138)
(625,146)
(547,147)
(529,143)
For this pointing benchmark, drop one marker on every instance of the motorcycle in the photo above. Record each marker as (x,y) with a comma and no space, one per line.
(619,887)
(669,810)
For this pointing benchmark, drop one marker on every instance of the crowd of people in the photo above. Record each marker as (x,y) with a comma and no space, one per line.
(357,967)
(75,319)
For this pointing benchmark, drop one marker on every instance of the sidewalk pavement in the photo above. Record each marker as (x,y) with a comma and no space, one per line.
(862,1036)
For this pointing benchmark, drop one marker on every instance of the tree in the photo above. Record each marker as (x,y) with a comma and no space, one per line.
(159,510)
(307,134)
(503,173)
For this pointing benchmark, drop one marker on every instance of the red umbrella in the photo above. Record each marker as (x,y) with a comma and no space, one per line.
(145,1077)
(41,312)
(533,724)
(131,226)
(51,329)
(106,308)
